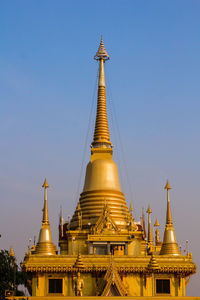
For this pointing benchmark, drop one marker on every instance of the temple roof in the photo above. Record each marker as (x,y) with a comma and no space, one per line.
(127,264)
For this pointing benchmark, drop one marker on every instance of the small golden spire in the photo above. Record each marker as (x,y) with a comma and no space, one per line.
(101,132)
(156,223)
(149,211)
(12,253)
(45,219)
(45,245)
(169,245)
(45,184)
(167,186)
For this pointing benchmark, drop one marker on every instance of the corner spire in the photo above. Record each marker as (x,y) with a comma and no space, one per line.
(45,245)
(12,253)
(101,133)
(169,245)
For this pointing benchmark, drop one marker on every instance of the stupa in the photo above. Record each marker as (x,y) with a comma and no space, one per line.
(103,251)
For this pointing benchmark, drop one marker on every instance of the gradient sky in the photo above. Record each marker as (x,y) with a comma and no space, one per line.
(47,91)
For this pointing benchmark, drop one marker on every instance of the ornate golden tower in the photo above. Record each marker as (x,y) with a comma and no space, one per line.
(45,245)
(103,251)
(169,245)
(101,180)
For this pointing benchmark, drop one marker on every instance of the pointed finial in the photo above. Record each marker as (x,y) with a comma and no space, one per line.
(156,223)
(149,211)
(101,53)
(12,253)
(167,186)
(45,184)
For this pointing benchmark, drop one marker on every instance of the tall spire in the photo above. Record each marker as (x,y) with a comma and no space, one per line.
(169,245)
(45,245)
(101,179)
(101,132)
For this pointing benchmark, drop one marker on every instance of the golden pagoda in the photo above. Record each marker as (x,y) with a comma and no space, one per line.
(103,251)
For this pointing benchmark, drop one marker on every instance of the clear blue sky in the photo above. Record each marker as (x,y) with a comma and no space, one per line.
(47,81)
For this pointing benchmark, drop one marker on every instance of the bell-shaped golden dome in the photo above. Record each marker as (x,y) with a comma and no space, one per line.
(101,186)
(102,174)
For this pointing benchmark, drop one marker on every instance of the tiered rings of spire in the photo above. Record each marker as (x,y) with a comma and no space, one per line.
(101,132)
(101,53)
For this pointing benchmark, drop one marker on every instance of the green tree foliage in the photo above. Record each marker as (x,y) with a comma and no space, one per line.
(10,275)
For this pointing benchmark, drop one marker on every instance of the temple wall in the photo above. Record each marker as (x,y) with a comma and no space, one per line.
(137,284)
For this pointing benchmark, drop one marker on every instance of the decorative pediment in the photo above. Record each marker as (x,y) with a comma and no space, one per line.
(112,284)
(105,223)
